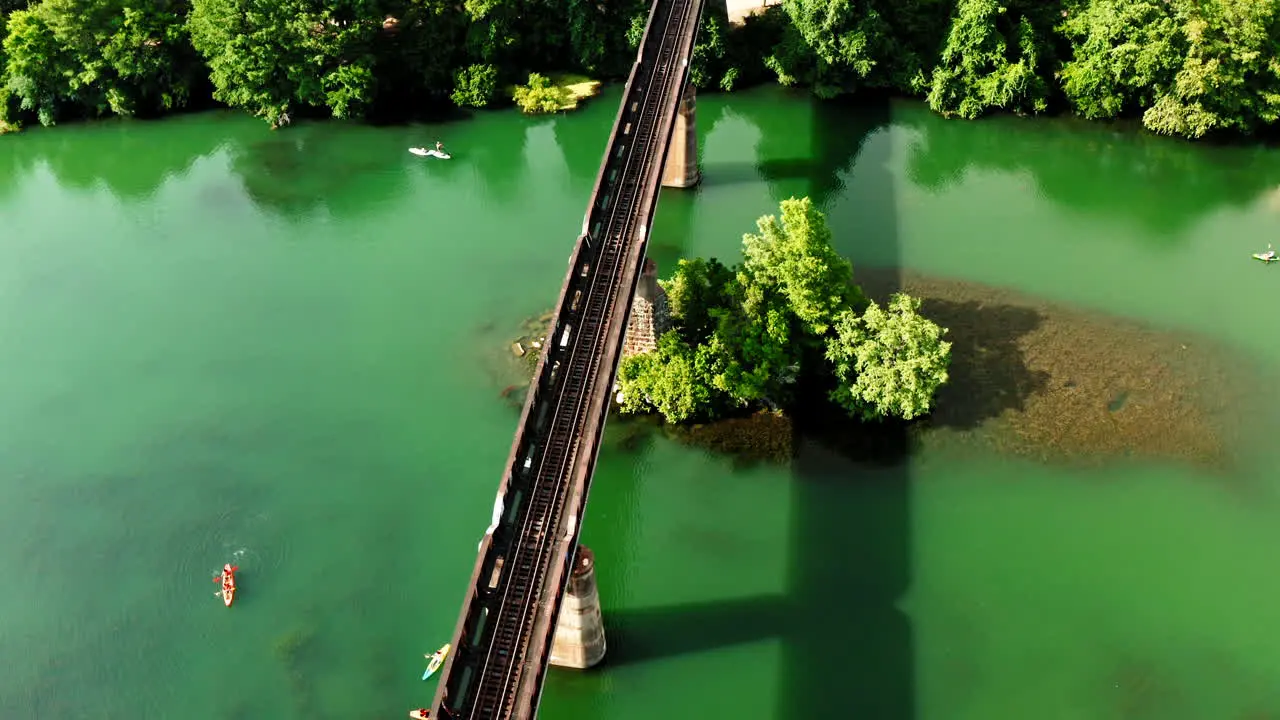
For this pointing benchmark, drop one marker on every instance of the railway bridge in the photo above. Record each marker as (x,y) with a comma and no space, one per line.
(529,555)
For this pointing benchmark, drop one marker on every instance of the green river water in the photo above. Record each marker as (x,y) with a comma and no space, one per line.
(286,350)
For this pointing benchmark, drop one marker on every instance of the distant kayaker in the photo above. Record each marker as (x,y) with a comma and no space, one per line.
(439,146)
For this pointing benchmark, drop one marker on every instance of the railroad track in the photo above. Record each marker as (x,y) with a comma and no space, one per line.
(575,355)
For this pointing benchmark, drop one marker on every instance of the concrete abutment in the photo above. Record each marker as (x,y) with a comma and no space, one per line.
(681,170)
(579,638)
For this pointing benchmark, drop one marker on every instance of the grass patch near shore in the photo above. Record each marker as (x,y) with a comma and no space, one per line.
(553,93)
(579,87)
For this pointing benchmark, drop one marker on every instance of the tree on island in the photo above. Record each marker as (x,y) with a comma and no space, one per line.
(742,336)
(888,361)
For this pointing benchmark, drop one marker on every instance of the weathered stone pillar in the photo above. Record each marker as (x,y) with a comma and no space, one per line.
(579,639)
(682,157)
(650,315)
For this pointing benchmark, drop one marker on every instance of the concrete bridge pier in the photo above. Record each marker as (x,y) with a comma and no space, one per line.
(681,170)
(579,639)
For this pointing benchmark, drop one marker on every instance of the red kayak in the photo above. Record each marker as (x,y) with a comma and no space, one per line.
(228,580)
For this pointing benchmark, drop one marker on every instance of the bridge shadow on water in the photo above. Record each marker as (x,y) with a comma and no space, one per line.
(848,650)
(838,130)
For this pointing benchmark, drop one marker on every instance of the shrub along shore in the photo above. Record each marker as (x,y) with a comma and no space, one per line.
(1188,68)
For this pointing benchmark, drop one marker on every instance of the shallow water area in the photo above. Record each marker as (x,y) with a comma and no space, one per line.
(278,349)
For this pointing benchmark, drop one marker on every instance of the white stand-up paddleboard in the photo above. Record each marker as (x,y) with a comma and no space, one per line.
(423,152)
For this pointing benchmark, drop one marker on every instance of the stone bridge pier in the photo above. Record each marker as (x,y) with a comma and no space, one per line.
(579,639)
(681,170)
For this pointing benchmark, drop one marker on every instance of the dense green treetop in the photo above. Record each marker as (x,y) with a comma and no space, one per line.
(1126,54)
(994,58)
(794,257)
(743,336)
(888,361)
(97,57)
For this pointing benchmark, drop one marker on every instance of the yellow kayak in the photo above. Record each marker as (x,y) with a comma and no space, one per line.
(437,659)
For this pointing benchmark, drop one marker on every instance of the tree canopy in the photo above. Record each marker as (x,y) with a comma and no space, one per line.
(1185,67)
(279,59)
(888,361)
(743,336)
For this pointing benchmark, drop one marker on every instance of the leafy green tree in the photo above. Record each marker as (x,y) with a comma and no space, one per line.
(151,57)
(795,255)
(867,43)
(994,58)
(696,289)
(492,35)
(667,380)
(91,57)
(754,353)
(540,96)
(849,38)
(888,362)
(598,34)
(475,86)
(1230,76)
(635,29)
(274,56)
(258,53)
(793,61)
(752,47)
(8,107)
(1125,54)
(37,67)
(420,59)
(709,66)
(751,356)
(514,34)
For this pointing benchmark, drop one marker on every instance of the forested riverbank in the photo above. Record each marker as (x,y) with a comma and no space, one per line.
(1189,68)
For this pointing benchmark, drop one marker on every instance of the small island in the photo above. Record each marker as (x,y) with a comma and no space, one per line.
(785,321)
(743,360)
